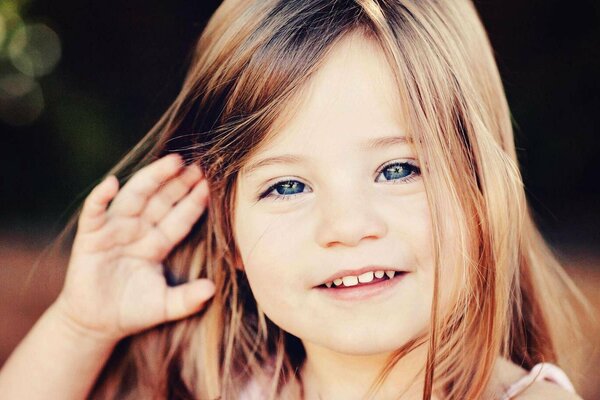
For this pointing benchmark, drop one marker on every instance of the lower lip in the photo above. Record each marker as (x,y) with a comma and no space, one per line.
(363,291)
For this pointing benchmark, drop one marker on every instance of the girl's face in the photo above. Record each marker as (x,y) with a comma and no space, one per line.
(342,194)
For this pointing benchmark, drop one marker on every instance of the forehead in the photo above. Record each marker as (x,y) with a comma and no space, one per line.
(352,97)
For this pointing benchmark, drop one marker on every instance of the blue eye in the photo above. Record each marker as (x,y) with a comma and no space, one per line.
(400,171)
(283,190)
(396,172)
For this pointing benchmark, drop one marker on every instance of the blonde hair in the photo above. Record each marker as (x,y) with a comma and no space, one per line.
(248,69)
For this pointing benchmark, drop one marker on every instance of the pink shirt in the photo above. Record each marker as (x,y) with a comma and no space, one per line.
(540,372)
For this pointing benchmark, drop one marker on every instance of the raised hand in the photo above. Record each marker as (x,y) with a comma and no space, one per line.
(115,284)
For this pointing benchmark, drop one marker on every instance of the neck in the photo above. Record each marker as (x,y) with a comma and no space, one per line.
(327,374)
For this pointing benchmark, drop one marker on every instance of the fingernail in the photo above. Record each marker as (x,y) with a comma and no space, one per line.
(196,170)
(175,156)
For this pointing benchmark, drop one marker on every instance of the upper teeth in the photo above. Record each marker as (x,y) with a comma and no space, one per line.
(352,280)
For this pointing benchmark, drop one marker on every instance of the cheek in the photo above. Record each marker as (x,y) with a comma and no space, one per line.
(266,242)
(411,228)
(451,271)
(421,237)
(419,229)
(271,248)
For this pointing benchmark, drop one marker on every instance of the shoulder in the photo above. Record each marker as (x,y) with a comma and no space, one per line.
(542,390)
(506,372)
(514,382)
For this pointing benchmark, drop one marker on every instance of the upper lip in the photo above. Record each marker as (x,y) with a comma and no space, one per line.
(359,271)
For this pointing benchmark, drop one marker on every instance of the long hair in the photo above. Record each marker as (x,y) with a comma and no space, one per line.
(247,71)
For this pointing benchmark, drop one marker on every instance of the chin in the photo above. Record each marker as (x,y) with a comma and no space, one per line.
(364,343)
(362,351)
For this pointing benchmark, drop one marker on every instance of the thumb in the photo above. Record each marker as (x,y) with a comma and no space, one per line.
(183,300)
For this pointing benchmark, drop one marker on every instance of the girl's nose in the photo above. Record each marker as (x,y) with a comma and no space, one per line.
(346,220)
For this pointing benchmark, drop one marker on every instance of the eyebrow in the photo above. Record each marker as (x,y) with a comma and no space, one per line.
(370,144)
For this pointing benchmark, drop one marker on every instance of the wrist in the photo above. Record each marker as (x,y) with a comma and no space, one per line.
(58,316)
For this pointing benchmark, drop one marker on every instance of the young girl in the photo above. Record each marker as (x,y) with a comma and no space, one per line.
(330,209)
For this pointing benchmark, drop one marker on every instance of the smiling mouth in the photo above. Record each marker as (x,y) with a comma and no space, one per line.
(372,279)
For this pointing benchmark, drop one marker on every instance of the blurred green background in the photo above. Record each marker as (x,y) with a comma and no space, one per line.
(82,81)
(119,64)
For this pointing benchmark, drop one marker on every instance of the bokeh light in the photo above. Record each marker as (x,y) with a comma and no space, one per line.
(34,49)
(2,31)
(28,51)
(21,99)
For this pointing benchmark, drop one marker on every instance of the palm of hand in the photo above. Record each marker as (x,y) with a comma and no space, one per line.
(115,284)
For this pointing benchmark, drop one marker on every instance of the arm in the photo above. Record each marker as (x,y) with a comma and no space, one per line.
(50,356)
(115,285)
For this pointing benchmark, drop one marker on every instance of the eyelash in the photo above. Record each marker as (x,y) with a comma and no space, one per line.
(414,169)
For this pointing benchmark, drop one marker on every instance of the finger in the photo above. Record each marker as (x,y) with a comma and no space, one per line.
(158,242)
(119,231)
(178,222)
(162,201)
(132,198)
(183,300)
(93,213)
